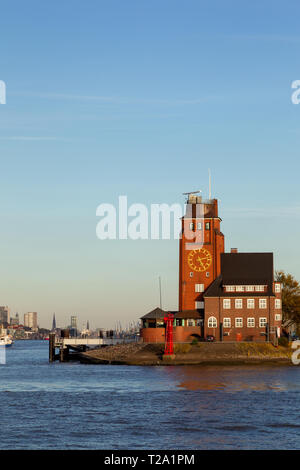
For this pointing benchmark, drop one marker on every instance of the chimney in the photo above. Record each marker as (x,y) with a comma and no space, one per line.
(233,250)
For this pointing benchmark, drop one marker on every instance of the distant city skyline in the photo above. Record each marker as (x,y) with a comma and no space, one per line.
(140,99)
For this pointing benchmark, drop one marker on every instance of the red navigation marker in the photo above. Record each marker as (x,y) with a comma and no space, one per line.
(169,345)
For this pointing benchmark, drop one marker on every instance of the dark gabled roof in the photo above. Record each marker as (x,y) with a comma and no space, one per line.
(247,268)
(215,289)
(158,313)
(188,314)
(243,269)
(154,314)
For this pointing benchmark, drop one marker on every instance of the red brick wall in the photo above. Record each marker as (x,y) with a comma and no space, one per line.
(214,307)
(181,334)
(184,333)
(153,335)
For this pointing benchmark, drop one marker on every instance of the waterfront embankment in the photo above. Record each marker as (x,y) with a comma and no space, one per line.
(190,354)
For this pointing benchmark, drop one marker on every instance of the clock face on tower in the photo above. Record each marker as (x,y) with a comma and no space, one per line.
(199,260)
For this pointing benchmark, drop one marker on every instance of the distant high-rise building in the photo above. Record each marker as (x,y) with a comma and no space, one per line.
(14,320)
(53,322)
(4,315)
(30,320)
(87,325)
(74,322)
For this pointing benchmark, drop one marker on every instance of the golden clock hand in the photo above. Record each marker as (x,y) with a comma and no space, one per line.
(199,259)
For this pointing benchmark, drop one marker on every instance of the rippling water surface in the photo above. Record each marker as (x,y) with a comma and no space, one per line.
(78,406)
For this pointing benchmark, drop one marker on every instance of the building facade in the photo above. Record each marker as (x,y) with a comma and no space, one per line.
(200,246)
(244,302)
(30,320)
(14,321)
(224,296)
(4,315)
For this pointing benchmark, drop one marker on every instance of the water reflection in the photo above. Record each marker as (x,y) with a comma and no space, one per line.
(233,378)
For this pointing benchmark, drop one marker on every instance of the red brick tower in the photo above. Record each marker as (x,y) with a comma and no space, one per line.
(200,248)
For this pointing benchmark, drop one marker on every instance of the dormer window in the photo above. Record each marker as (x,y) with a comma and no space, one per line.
(229,288)
(249,288)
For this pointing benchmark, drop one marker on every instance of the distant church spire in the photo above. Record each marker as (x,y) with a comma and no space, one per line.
(54,322)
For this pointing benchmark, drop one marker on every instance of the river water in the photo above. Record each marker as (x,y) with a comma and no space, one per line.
(82,406)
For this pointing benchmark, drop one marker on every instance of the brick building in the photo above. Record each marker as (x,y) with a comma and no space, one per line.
(244,302)
(231,296)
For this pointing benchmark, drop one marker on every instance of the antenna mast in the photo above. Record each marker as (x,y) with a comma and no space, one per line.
(160,304)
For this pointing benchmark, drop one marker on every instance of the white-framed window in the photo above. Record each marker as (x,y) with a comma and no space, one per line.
(212,322)
(239,323)
(262,303)
(191,226)
(262,322)
(191,274)
(207,274)
(259,288)
(250,303)
(199,304)
(277,317)
(249,288)
(199,225)
(226,303)
(277,303)
(277,287)
(238,303)
(250,322)
(190,322)
(227,322)
(207,225)
(229,288)
(240,288)
(199,287)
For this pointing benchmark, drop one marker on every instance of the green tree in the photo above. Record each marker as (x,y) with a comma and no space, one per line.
(290,298)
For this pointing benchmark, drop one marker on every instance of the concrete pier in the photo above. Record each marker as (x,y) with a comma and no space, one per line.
(67,347)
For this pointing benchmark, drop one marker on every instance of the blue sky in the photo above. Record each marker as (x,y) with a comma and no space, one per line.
(106,98)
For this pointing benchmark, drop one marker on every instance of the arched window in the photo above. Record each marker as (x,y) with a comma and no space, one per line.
(212,322)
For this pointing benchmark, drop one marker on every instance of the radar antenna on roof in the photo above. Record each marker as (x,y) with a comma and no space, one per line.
(192,192)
